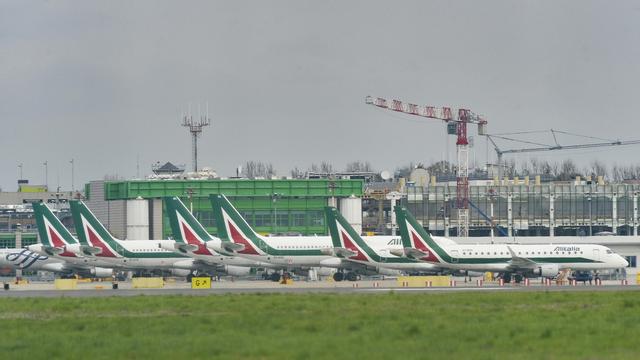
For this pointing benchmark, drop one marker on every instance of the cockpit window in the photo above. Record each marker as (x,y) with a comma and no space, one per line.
(609,252)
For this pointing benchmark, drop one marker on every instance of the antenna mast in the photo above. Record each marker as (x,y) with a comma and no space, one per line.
(195,128)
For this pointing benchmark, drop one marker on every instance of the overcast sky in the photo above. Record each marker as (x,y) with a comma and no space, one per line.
(104,82)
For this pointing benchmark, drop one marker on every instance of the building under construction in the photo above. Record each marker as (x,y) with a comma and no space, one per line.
(526,207)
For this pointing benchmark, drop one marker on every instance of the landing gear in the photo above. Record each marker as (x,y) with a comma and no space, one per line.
(506,277)
(339,276)
(351,276)
(189,277)
(275,277)
(518,278)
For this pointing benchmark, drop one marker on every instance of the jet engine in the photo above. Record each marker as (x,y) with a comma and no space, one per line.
(546,270)
(386,271)
(325,271)
(237,270)
(180,272)
(101,272)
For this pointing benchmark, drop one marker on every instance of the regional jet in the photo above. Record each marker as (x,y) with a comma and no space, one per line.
(287,252)
(508,259)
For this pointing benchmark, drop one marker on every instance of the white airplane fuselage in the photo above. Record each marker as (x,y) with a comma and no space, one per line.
(498,257)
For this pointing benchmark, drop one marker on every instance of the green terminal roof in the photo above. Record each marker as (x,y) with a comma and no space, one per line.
(121,190)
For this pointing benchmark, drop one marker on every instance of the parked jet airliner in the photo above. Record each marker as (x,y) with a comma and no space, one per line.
(289,252)
(193,240)
(135,254)
(509,259)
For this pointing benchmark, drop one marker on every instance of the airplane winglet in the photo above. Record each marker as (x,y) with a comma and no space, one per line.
(339,252)
(231,246)
(90,250)
(414,253)
(187,247)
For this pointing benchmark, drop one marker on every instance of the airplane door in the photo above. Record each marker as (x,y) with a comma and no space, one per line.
(596,254)
(454,256)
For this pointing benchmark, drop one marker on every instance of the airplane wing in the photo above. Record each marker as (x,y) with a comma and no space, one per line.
(340,252)
(231,246)
(518,262)
(46,249)
(185,248)
(411,253)
(90,250)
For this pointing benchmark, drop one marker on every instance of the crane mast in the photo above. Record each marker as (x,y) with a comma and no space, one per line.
(445,114)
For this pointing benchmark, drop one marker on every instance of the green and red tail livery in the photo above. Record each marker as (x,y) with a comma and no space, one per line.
(91,232)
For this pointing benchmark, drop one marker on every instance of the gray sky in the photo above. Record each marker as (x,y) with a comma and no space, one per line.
(103,82)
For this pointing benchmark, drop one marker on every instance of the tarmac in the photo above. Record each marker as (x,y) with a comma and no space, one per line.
(176,287)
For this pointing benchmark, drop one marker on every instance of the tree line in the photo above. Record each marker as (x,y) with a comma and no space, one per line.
(563,170)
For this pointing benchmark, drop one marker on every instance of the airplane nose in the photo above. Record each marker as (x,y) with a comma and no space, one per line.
(625,263)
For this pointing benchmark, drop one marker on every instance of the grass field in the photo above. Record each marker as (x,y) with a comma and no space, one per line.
(558,325)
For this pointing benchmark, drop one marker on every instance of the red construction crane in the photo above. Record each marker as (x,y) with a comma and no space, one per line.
(445,114)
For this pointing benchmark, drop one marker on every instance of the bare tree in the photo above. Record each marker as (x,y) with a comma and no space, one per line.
(258,169)
(405,171)
(596,168)
(567,170)
(359,166)
(296,173)
(510,168)
(324,167)
(440,168)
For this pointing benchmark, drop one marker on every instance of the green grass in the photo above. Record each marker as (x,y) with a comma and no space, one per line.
(555,325)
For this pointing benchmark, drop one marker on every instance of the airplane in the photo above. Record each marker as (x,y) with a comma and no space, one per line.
(130,254)
(511,260)
(57,242)
(349,245)
(25,259)
(288,252)
(193,240)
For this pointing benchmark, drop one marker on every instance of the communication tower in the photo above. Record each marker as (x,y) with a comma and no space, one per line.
(195,128)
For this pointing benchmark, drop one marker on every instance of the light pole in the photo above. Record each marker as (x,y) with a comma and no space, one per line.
(72,185)
(190,192)
(20,171)
(46,174)
(590,217)
(274,198)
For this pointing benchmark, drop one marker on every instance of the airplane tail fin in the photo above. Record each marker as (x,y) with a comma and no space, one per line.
(91,232)
(185,227)
(346,241)
(188,232)
(417,242)
(233,228)
(53,234)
